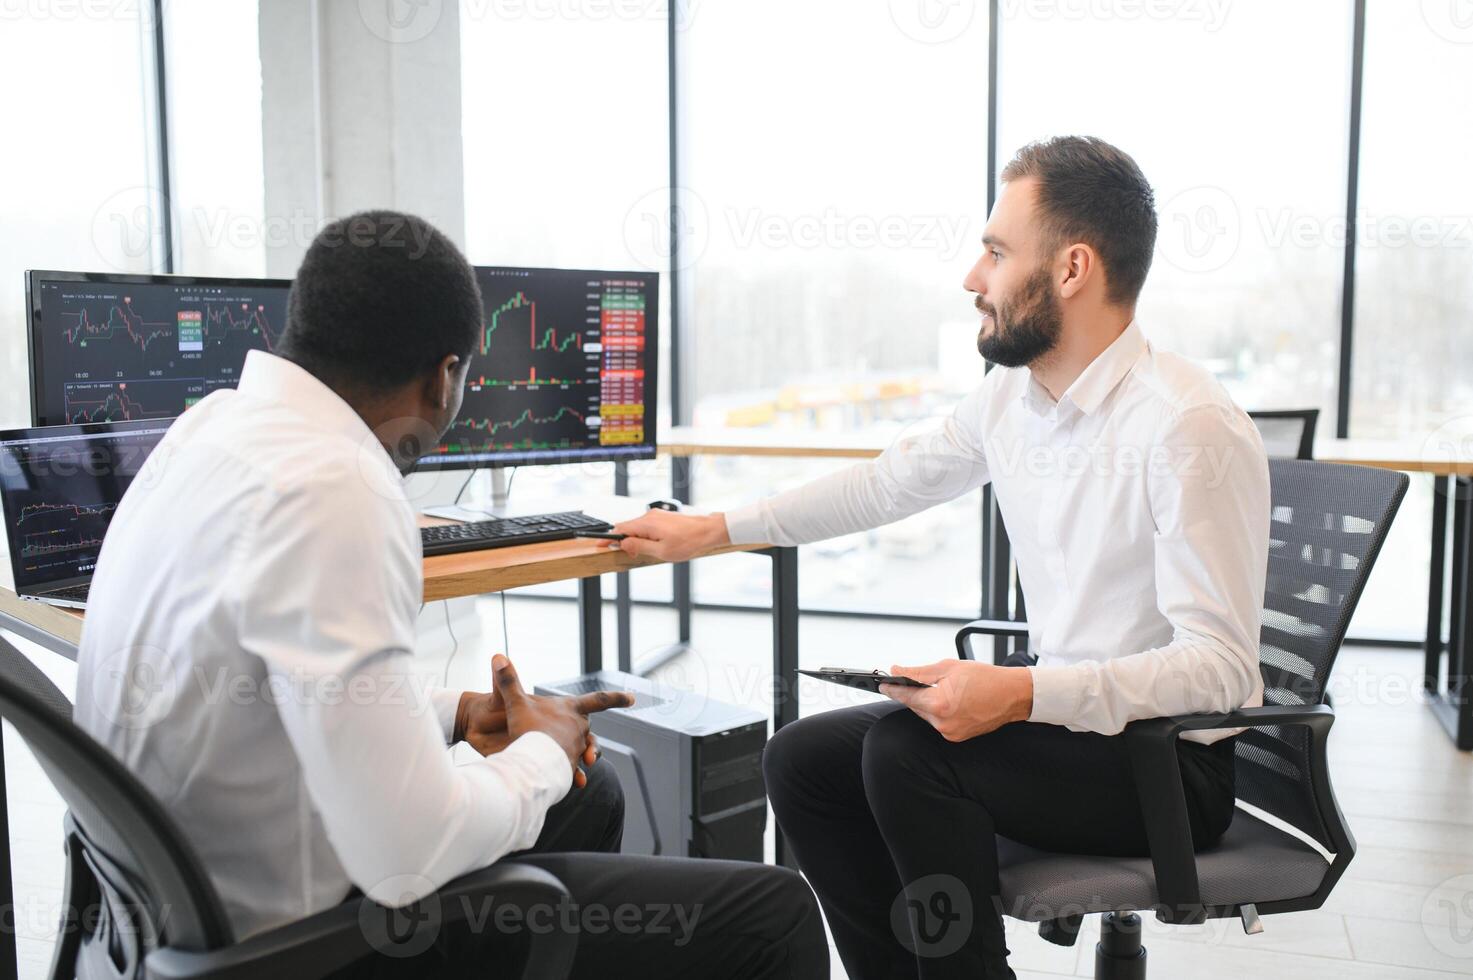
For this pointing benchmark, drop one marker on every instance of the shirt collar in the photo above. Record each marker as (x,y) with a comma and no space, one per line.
(1095,383)
(275,379)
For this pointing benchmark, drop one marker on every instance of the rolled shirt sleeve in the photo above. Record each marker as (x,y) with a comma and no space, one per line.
(446,702)
(920,470)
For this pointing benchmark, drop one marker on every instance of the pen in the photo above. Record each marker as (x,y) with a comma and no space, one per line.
(605,535)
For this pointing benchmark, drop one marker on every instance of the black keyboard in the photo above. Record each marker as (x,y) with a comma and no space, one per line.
(72,593)
(445,539)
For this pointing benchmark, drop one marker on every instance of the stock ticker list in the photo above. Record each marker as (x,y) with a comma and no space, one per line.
(147,351)
(559,364)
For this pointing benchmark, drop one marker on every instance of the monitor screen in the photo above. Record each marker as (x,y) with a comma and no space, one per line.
(107,348)
(564,370)
(60,486)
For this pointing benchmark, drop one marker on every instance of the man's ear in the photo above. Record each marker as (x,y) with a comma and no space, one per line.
(440,390)
(1079,263)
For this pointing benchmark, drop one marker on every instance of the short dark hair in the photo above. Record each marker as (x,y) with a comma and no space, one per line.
(380,298)
(1091,192)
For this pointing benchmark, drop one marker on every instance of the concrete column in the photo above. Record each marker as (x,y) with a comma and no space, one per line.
(360,109)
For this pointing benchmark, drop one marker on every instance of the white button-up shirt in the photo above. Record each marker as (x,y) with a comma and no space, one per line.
(246,654)
(1138,510)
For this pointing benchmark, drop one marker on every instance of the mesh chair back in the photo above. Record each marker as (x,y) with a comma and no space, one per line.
(1328,524)
(1288,434)
(17,668)
(154,886)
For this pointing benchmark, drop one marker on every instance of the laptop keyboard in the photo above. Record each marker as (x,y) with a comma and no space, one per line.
(72,593)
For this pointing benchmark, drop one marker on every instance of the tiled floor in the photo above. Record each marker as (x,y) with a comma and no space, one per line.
(1403,912)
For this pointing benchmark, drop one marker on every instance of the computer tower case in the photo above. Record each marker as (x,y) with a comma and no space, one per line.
(691,767)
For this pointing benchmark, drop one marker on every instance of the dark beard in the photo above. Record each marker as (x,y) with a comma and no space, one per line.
(1026,328)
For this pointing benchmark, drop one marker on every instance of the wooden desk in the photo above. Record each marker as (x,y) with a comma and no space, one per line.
(1452,480)
(499,569)
(684,441)
(798,443)
(58,630)
(1387,455)
(445,577)
(474,573)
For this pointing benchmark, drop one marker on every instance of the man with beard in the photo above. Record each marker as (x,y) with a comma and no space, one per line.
(247,655)
(1136,495)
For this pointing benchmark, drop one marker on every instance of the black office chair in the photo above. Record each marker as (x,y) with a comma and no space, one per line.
(1287,434)
(139,903)
(1327,528)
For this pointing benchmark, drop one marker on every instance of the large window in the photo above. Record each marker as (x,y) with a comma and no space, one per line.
(1413,374)
(564,129)
(78,192)
(1238,116)
(1250,178)
(565,141)
(1412,378)
(835,196)
(216,166)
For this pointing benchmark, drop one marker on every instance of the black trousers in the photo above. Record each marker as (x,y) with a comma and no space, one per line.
(896,828)
(633,916)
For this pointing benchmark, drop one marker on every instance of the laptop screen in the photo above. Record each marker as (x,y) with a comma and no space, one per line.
(59,486)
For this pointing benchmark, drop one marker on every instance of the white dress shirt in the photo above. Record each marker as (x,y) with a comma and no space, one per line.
(1138,510)
(246,654)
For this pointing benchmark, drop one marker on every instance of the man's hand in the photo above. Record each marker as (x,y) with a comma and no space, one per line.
(672,537)
(481,721)
(966,698)
(491,722)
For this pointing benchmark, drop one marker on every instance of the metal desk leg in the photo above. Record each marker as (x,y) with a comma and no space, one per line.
(1460,657)
(624,607)
(591,624)
(1453,705)
(623,604)
(784,636)
(1435,583)
(683,602)
(784,656)
(680,488)
(9,915)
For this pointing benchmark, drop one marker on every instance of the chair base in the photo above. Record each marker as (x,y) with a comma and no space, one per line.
(1119,954)
(1061,932)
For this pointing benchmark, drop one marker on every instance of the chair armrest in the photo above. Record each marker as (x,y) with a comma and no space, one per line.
(1152,744)
(328,941)
(991,627)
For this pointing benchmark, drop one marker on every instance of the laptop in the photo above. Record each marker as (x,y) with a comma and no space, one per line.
(59,486)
